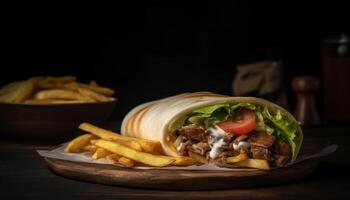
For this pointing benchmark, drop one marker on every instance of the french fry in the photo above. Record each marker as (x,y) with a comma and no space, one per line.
(93,141)
(184,161)
(52,82)
(197,157)
(61,79)
(76,144)
(148,146)
(93,83)
(7,97)
(131,144)
(98,89)
(90,147)
(42,82)
(10,87)
(254,163)
(24,91)
(73,86)
(52,101)
(62,94)
(113,158)
(94,95)
(16,92)
(142,157)
(100,153)
(126,162)
(238,158)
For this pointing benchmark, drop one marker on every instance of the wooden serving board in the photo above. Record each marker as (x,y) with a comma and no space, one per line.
(178,179)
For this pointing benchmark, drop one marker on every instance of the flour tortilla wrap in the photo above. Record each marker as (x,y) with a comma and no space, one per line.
(157,120)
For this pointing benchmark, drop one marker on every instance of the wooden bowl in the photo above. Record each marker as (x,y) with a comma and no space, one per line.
(55,122)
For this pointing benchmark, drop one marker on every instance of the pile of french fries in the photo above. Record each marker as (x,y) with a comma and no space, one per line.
(127,151)
(46,90)
(130,151)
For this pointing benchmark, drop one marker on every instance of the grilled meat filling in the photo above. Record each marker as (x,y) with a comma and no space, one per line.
(262,145)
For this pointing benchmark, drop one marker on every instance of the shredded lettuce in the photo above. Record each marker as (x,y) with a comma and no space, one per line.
(260,123)
(212,114)
(208,110)
(284,127)
(243,105)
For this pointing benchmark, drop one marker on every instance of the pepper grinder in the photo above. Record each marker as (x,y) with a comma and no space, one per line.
(305,110)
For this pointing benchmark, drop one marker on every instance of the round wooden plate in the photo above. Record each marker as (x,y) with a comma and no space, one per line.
(179,179)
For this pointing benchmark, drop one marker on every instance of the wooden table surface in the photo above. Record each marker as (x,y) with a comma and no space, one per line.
(24,174)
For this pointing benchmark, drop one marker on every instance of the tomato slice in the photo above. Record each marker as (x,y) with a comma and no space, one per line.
(243,124)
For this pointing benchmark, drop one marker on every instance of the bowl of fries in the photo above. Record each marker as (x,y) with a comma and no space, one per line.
(50,108)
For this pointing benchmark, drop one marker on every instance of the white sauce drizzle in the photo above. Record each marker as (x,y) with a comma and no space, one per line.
(215,150)
(241,144)
(216,132)
(218,141)
(180,146)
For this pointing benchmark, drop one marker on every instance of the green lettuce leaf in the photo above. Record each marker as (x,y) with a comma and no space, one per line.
(243,105)
(260,123)
(209,115)
(284,127)
(212,108)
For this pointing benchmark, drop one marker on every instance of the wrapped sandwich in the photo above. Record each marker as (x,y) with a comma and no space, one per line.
(217,128)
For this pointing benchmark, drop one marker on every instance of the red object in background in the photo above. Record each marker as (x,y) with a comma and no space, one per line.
(336,80)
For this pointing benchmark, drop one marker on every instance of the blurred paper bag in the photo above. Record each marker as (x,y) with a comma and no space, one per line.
(262,79)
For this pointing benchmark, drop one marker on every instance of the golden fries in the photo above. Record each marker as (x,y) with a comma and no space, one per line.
(113,158)
(98,89)
(147,145)
(124,150)
(131,144)
(54,90)
(52,101)
(93,83)
(238,158)
(62,94)
(93,87)
(10,87)
(62,79)
(94,95)
(16,92)
(76,144)
(254,163)
(183,161)
(126,162)
(100,153)
(142,157)
(197,157)
(43,83)
(90,147)
(73,86)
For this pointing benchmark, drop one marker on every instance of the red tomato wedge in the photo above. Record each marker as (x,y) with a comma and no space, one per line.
(241,125)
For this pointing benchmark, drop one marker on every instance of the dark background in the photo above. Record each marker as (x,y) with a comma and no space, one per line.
(148,50)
